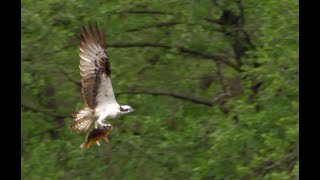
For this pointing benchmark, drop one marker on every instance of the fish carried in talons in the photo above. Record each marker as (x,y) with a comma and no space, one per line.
(95,135)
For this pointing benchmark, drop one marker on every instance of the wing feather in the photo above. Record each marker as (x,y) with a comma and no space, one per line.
(94,68)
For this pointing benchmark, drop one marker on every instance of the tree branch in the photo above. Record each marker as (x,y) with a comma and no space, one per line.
(286,162)
(59,50)
(67,75)
(216,21)
(205,55)
(241,8)
(49,53)
(141,44)
(147,11)
(164,24)
(220,75)
(33,109)
(46,131)
(172,94)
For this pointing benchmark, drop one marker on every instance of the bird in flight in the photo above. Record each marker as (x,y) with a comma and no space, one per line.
(95,71)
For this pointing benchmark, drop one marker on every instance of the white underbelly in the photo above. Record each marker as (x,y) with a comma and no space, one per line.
(107,112)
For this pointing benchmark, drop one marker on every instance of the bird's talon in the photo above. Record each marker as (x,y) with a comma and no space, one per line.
(108,126)
(105,126)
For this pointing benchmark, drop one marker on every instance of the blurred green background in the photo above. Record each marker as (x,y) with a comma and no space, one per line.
(214,85)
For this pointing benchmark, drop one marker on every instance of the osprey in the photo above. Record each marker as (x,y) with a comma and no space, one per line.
(97,89)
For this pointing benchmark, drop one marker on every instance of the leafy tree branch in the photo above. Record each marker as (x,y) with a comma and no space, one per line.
(43,111)
(205,55)
(175,95)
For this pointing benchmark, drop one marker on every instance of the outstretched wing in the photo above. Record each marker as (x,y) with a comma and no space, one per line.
(95,68)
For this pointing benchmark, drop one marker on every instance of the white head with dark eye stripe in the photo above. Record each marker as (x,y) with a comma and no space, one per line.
(125,109)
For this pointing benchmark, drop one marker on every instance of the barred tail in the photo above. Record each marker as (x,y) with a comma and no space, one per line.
(82,120)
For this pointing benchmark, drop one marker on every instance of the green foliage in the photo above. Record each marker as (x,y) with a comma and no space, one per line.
(166,137)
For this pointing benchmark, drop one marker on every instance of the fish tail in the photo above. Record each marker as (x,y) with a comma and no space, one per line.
(83,145)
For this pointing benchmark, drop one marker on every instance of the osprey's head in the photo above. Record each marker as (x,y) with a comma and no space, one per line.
(125,109)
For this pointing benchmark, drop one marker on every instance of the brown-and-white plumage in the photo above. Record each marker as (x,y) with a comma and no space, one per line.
(97,91)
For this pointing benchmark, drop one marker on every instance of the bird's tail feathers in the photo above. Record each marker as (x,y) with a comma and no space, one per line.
(82,120)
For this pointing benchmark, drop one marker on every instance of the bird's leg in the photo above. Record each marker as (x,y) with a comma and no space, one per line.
(96,124)
(99,122)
